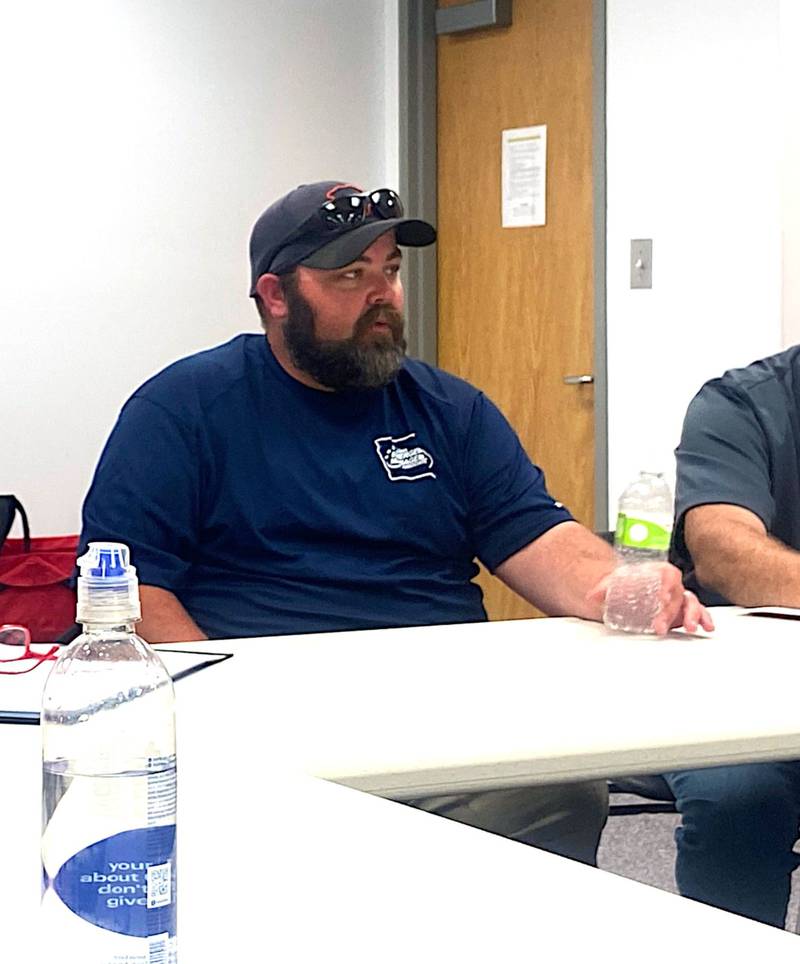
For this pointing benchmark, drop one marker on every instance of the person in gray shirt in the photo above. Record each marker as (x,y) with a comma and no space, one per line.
(737,540)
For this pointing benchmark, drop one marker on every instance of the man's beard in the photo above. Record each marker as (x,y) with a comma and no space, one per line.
(364,360)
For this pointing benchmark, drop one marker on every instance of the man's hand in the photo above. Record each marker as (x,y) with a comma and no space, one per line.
(676,605)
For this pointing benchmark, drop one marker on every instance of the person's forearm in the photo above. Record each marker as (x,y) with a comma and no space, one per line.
(164,620)
(747,567)
(557,571)
(566,571)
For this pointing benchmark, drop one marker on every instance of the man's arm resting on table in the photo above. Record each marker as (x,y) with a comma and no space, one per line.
(734,554)
(164,620)
(557,571)
(565,572)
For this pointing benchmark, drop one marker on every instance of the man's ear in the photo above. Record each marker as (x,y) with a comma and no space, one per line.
(270,290)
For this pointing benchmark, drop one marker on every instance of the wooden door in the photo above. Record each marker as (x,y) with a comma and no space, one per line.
(516,310)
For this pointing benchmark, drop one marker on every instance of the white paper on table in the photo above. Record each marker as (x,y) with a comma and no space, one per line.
(524,176)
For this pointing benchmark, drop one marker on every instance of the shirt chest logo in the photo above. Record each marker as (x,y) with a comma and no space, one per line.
(402,460)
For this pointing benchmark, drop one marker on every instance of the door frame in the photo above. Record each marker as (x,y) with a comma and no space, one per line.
(418,170)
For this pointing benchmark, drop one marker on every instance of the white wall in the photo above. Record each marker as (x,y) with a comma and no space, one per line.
(694,159)
(790,124)
(141,139)
(391,96)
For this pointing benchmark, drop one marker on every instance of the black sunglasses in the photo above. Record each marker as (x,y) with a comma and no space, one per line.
(354,208)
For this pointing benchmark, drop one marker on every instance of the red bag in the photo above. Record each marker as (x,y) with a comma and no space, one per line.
(33,583)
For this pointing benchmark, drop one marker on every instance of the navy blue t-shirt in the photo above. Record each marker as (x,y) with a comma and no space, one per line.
(269,507)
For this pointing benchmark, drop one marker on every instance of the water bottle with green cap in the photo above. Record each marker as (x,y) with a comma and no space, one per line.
(641,539)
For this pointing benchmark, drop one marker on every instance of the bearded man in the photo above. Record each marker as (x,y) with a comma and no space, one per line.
(316,479)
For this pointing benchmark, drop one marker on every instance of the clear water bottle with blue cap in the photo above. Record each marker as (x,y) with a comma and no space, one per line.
(641,539)
(109,882)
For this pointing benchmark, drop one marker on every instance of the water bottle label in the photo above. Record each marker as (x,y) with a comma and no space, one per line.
(125,883)
(633,533)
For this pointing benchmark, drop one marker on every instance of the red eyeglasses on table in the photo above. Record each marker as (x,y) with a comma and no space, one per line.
(20,636)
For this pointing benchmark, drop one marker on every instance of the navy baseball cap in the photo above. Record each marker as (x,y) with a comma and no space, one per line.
(327,225)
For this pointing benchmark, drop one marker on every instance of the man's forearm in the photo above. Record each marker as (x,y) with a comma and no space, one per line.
(557,571)
(748,567)
(164,620)
(566,571)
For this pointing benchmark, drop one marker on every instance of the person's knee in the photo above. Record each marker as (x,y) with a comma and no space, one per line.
(524,812)
(734,809)
(565,819)
(588,802)
(572,828)
(571,813)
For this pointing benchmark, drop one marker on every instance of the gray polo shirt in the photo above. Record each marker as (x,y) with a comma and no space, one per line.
(740,444)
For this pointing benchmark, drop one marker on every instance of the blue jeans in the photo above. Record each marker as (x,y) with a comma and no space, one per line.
(735,842)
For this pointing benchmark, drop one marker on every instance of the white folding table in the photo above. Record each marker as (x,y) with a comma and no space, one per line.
(283,867)
(405,712)
(277,865)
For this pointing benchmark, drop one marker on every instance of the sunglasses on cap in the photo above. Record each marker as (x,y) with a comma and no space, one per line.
(348,211)
(352,209)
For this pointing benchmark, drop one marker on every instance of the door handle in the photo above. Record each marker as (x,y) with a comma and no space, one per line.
(578,379)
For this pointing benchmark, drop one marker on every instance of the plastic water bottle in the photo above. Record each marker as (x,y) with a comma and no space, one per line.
(644,527)
(109,782)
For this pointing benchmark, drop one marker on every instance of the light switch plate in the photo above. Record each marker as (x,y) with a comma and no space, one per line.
(642,263)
